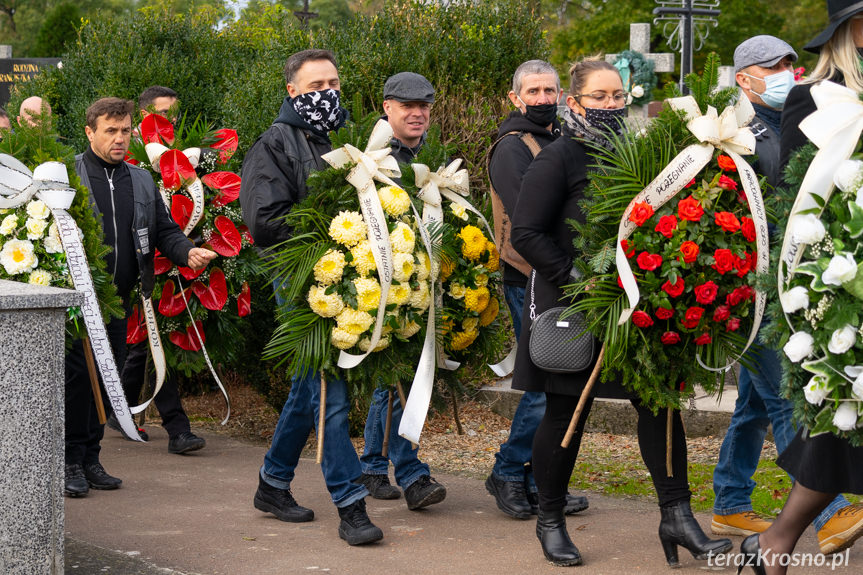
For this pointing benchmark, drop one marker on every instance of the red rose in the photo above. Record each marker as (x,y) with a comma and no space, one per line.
(703,339)
(739,295)
(733,324)
(726,163)
(744,265)
(628,248)
(690,251)
(619,283)
(692,317)
(727,183)
(748,228)
(721,313)
(666,226)
(664,313)
(674,290)
(690,184)
(640,213)
(727,221)
(724,261)
(690,209)
(741,197)
(706,293)
(641,319)
(649,262)
(670,338)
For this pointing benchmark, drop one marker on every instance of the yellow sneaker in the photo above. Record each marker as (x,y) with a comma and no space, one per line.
(842,530)
(745,523)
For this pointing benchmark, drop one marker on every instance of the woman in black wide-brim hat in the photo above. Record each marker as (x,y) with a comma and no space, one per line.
(824,465)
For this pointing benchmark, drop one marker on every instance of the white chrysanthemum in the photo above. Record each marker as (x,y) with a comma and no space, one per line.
(354,321)
(343,339)
(403,266)
(368,293)
(348,228)
(407,329)
(383,343)
(423,268)
(35,228)
(328,270)
(459,210)
(420,297)
(9,225)
(399,294)
(364,259)
(456,290)
(394,200)
(323,304)
(17,257)
(38,210)
(403,238)
(39,278)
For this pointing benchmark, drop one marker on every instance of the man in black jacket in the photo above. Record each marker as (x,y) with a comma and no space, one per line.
(274,179)
(534,125)
(135,221)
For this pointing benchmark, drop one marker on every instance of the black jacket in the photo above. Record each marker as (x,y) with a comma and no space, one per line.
(152,225)
(767,150)
(274,174)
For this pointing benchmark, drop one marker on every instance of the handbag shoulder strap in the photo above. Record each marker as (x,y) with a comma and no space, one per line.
(532,296)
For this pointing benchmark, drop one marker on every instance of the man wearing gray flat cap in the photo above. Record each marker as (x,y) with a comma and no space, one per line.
(408,98)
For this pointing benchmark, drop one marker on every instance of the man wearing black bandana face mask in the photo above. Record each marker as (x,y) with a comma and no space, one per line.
(274,179)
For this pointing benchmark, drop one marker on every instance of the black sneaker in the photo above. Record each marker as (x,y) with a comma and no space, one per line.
(185,442)
(423,492)
(75,483)
(574,503)
(511,497)
(281,503)
(356,528)
(379,486)
(114,424)
(98,478)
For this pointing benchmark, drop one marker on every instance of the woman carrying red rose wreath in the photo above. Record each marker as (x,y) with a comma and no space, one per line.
(552,190)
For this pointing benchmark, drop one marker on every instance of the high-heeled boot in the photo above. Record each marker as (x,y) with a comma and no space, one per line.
(556,544)
(750,548)
(679,527)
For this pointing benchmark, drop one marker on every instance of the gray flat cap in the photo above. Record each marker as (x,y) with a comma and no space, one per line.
(764,50)
(408,87)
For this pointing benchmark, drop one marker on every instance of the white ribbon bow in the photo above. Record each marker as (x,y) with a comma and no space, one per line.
(49,181)
(375,163)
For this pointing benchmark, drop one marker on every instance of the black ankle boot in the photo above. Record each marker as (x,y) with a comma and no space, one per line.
(556,544)
(679,527)
(751,551)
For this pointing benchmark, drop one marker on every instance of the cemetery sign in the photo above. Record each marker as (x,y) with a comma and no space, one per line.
(15,70)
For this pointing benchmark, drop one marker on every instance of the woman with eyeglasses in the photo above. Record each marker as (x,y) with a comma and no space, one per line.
(551,192)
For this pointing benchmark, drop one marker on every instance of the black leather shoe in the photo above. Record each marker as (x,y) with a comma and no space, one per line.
(356,528)
(510,496)
(423,492)
(379,486)
(554,539)
(679,527)
(750,548)
(115,425)
(75,484)
(98,478)
(281,503)
(185,442)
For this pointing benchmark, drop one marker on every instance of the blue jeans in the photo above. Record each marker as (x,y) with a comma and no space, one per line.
(300,414)
(758,404)
(517,450)
(408,467)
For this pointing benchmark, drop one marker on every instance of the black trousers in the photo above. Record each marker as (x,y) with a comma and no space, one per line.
(135,373)
(83,431)
(553,465)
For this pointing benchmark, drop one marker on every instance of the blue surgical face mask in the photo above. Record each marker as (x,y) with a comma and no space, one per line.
(776,88)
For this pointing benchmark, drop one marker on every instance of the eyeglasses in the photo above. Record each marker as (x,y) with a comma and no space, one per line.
(602,97)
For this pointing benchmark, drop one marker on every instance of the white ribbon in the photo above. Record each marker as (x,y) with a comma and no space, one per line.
(728,132)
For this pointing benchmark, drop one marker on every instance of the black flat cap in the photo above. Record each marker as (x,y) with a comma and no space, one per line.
(408,87)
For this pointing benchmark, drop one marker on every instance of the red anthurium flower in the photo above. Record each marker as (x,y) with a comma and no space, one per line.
(692,317)
(170,304)
(226,144)
(161,263)
(690,251)
(129,159)
(640,213)
(664,313)
(225,239)
(706,293)
(244,231)
(747,228)
(649,262)
(226,185)
(726,163)
(136,329)
(666,226)
(619,282)
(188,340)
(213,296)
(727,183)
(724,261)
(689,209)
(244,300)
(670,338)
(721,313)
(703,339)
(188,273)
(675,289)
(733,324)
(641,319)
(156,127)
(181,209)
(628,248)
(176,169)
(727,221)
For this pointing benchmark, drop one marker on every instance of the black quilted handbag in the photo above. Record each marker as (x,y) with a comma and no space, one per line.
(559,343)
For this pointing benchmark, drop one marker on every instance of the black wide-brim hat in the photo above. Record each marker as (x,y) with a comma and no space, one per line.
(839,11)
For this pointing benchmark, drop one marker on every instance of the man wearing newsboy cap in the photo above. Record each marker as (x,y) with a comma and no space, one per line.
(408,98)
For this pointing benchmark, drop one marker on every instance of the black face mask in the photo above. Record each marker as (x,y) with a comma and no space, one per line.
(541,114)
(606,119)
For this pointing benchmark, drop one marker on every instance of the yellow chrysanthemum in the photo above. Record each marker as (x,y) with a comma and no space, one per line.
(323,304)
(354,321)
(348,228)
(407,329)
(473,242)
(481,280)
(403,266)
(493,263)
(383,343)
(423,269)
(39,278)
(462,339)
(447,267)
(394,200)
(470,323)
(420,297)
(403,238)
(328,270)
(490,312)
(343,339)
(476,299)
(459,210)
(399,294)
(368,293)
(364,260)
